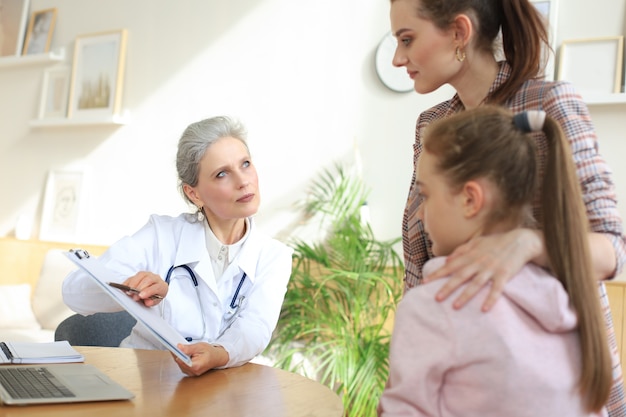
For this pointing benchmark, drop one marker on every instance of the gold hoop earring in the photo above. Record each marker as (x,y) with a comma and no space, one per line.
(459,54)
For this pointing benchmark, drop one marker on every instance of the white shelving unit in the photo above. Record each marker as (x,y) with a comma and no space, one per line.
(604,99)
(31,60)
(114,120)
(50,58)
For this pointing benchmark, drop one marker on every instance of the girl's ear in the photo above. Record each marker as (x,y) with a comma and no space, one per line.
(191,193)
(463,30)
(473,198)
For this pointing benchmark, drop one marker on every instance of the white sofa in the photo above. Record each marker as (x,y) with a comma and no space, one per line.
(31,304)
(32,314)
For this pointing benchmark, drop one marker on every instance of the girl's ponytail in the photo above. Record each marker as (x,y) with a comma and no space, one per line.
(566,228)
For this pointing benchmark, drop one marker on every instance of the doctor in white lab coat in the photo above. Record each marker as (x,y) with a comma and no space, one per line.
(221,281)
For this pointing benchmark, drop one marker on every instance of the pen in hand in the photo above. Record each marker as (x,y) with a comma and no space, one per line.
(131,290)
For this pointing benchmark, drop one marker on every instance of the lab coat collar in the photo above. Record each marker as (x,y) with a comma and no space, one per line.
(191,245)
(248,257)
(192,251)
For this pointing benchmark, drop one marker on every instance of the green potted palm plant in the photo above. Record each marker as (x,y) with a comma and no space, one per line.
(334,324)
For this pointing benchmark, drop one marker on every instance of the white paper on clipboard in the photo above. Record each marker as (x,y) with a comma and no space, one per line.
(149,317)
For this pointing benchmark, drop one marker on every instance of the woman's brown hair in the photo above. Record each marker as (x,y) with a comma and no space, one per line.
(486,143)
(524,34)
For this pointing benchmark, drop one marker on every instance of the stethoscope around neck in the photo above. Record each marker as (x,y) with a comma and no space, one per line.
(235,303)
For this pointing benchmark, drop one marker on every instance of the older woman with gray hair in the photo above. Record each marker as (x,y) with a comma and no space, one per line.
(213,276)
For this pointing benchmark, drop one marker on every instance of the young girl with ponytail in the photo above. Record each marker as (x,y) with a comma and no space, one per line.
(542,349)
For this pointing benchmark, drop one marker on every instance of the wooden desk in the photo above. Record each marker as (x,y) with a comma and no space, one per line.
(161,389)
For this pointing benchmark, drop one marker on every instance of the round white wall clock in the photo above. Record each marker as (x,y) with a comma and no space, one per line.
(394,78)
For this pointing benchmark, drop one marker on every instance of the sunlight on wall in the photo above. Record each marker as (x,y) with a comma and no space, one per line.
(290,71)
(299,74)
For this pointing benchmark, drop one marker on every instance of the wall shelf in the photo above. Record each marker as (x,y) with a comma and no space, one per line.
(31,60)
(114,120)
(602,99)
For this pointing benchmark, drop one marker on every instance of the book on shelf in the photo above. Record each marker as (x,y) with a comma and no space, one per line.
(35,352)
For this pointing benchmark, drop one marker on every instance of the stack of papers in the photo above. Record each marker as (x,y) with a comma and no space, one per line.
(33,352)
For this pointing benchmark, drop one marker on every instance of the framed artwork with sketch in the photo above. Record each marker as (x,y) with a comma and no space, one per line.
(97,75)
(39,34)
(60,217)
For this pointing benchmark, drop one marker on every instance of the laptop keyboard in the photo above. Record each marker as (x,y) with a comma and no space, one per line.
(32,383)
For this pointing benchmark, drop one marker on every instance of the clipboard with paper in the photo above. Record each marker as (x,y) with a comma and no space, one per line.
(147,316)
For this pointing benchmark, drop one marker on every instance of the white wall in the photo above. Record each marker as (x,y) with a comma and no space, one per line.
(585,19)
(298,73)
(295,72)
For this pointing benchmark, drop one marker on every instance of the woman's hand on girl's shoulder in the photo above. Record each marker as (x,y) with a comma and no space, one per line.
(487,260)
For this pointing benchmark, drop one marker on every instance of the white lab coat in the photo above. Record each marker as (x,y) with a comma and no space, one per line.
(165,241)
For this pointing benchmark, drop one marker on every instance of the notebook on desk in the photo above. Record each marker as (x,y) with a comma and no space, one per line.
(58,383)
(34,352)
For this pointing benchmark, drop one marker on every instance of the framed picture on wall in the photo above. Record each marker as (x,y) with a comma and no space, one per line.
(13,19)
(39,34)
(549,10)
(593,65)
(61,206)
(54,93)
(97,75)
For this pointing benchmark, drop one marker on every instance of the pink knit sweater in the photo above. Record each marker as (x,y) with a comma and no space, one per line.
(521,359)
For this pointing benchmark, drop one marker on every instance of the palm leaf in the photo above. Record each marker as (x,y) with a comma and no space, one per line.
(342,291)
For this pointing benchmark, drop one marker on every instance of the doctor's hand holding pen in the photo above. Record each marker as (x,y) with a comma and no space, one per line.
(144,287)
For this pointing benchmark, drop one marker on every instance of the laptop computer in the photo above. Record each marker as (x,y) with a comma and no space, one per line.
(58,383)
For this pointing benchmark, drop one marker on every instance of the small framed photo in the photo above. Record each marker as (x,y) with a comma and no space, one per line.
(593,65)
(97,75)
(54,93)
(13,19)
(39,34)
(548,9)
(61,206)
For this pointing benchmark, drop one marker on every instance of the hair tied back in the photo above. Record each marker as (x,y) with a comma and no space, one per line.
(530,121)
